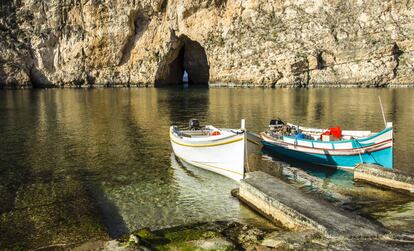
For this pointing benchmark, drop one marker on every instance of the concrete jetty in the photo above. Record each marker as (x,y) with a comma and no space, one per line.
(285,204)
(378,176)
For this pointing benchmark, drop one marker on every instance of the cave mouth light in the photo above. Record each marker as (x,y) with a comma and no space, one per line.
(185,77)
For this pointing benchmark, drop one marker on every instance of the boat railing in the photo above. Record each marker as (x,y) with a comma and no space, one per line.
(190,133)
(275,135)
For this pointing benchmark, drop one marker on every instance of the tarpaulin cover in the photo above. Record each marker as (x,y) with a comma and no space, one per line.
(334,131)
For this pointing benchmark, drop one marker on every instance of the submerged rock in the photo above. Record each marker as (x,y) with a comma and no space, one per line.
(236,236)
(289,240)
(205,244)
(201,236)
(50,214)
(134,239)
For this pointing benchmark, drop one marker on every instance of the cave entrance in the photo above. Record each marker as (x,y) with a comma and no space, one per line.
(185,65)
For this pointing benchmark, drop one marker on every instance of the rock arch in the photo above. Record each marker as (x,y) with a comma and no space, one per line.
(188,56)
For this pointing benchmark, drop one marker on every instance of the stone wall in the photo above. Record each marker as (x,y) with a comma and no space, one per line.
(246,42)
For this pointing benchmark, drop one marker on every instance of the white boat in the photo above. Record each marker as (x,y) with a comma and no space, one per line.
(220,150)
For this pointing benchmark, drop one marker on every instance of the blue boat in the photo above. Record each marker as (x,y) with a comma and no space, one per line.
(330,147)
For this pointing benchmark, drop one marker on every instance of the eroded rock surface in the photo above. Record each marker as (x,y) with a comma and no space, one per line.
(231,236)
(227,42)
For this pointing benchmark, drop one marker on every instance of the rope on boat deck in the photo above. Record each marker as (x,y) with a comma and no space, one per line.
(359,152)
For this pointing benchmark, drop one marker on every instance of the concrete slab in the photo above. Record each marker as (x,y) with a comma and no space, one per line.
(378,176)
(287,205)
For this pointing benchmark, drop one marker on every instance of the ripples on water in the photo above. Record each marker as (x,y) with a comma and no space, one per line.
(76,157)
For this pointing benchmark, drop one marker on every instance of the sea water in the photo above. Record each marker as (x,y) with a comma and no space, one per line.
(77,164)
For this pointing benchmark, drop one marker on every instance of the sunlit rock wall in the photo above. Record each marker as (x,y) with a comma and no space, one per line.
(246,42)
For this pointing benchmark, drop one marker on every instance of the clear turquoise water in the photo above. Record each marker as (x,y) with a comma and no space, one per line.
(103,155)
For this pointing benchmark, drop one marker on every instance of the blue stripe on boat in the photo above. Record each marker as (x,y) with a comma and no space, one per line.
(382,157)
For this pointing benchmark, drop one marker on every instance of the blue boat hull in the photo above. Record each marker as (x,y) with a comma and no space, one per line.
(381,157)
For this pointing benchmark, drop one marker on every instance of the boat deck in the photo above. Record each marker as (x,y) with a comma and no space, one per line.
(204,133)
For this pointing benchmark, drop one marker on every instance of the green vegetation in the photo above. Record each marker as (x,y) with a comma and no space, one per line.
(189,235)
(183,238)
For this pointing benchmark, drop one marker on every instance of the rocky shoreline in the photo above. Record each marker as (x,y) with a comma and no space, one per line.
(224,235)
(210,85)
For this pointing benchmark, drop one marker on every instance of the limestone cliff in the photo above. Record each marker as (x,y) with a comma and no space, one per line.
(242,42)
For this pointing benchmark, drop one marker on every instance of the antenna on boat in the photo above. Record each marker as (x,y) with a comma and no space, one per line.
(382,111)
(245,154)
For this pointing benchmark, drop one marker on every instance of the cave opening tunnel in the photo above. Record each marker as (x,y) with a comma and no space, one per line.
(186,64)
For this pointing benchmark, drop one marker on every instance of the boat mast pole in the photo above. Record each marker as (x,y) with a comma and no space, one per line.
(382,111)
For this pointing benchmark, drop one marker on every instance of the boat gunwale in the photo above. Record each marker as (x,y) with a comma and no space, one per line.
(228,133)
(216,142)
(353,151)
(342,141)
(345,152)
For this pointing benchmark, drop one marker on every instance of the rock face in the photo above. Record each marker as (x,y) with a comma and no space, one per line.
(221,42)
(235,236)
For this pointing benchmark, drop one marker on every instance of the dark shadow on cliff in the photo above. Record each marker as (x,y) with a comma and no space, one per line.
(139,23)
(2,75)
(38,79)
(187,55)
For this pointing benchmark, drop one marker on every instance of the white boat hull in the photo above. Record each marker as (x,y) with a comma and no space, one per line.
(225,156)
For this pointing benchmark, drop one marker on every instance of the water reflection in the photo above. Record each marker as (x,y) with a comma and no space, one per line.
(182,105)
(349,108)
(109,149)
(195,183)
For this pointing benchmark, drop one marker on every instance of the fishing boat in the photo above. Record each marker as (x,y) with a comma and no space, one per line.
(220,150)
(330,147)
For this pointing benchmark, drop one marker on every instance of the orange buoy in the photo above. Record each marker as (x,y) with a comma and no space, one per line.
(215,133)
